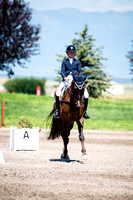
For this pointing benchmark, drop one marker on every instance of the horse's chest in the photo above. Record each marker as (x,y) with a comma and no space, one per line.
(72,113)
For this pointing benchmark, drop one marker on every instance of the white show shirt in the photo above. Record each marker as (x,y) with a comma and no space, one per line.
(71,60)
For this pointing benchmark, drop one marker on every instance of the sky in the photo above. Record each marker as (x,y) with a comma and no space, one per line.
(84,5)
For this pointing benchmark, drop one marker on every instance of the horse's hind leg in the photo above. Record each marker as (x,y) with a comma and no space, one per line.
(82,138)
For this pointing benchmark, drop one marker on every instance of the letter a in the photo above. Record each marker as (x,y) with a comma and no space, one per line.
(26,134)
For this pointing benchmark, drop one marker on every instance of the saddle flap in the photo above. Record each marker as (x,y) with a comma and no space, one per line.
(64,89)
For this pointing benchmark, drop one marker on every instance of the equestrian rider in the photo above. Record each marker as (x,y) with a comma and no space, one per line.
(69,66)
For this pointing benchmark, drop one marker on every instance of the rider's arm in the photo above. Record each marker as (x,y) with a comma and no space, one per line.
(79,69)
(63,70)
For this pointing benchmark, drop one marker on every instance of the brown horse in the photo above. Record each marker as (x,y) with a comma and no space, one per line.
(71,110)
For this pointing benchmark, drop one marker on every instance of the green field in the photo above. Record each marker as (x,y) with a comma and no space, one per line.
(108,113)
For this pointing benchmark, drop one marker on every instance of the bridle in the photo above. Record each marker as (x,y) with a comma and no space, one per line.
(79,85)
(79,99)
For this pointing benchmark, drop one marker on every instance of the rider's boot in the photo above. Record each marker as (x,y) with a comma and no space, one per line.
(85,115)
(57,111)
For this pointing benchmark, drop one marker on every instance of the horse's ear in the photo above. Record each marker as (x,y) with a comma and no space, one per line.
(85,77)
(74,77)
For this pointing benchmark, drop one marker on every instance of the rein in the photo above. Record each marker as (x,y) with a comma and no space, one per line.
(75,97)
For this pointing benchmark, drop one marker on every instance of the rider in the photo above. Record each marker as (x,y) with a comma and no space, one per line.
(69,66)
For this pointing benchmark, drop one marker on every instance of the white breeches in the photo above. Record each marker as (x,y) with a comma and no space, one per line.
(64,83)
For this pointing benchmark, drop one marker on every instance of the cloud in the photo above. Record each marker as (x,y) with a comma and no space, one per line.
(84,5)
(116,5)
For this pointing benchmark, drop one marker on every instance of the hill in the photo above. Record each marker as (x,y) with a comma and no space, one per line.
(113,30)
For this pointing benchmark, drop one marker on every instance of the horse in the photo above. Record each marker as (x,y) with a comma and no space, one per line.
(71,110)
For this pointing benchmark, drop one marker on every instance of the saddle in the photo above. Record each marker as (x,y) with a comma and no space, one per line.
(64,89)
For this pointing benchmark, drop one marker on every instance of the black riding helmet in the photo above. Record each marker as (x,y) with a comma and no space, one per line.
(70,48)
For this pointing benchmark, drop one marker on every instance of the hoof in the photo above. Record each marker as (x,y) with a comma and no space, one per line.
(84,157)
(63,157)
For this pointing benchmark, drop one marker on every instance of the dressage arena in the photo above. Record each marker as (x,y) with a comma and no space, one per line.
(106,174)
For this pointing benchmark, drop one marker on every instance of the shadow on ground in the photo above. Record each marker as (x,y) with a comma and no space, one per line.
(66,160)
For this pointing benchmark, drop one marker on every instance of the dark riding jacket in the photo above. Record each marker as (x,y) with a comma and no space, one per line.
(66,68)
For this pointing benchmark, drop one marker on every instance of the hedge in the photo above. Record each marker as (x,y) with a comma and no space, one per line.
(25,85)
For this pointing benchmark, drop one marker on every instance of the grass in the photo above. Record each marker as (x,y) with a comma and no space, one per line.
(108,113)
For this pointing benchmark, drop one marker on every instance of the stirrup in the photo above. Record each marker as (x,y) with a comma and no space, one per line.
(85,115)
(57,114)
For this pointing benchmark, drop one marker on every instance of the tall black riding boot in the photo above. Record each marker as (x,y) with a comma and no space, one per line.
(57,111)
(85,115)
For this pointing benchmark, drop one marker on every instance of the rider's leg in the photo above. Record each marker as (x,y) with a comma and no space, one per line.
(57,103)
(86,97)
(58,93)
(57,111)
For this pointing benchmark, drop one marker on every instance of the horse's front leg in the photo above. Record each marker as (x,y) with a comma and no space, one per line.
(82,137)
(65,155)
(65,137)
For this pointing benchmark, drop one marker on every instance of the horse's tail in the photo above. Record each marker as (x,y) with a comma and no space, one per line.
(55,125)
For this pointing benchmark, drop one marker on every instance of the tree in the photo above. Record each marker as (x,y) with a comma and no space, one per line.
(97,80)
(130,57)
(18,38)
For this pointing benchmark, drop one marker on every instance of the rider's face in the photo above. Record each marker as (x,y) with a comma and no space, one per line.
(71,54)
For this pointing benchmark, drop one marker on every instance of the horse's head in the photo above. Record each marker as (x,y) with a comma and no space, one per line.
(78,86)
